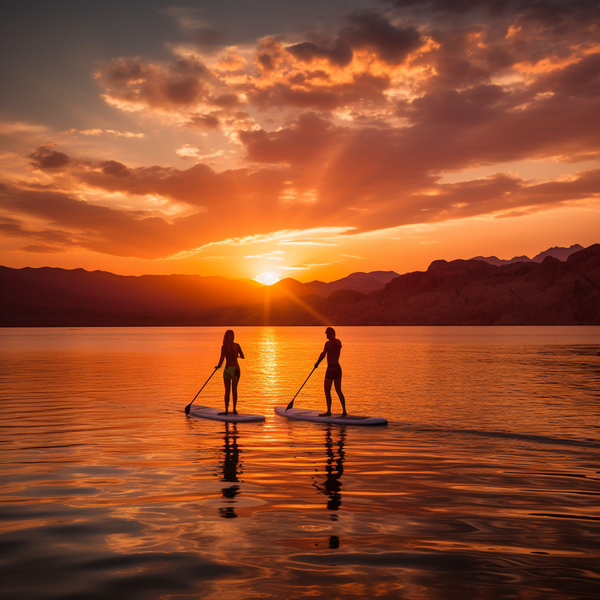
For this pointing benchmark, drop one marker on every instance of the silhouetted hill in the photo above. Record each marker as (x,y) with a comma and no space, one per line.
(555,252)
(460,292)
(359,282)
(476,293)
(49,296)
(59,297)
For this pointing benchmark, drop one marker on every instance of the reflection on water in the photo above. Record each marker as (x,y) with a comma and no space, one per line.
(230,470)
(485,484)
(331,483)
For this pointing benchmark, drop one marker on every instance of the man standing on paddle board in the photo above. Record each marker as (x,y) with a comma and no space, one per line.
(333,375)
(231,374)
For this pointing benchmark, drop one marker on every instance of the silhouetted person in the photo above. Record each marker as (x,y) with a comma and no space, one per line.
(333,375)
(230,351)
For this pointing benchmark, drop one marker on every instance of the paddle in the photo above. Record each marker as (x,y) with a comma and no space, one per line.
(291,404)
(187,408)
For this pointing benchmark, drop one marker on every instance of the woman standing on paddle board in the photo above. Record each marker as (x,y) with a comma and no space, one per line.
(231,374)
(333,375)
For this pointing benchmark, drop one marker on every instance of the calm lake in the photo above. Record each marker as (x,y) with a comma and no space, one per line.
(485,484)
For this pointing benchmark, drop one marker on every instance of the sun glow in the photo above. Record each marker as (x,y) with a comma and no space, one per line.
(267,278)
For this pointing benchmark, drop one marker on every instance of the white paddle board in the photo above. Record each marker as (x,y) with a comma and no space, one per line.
(303,414)
(215,414)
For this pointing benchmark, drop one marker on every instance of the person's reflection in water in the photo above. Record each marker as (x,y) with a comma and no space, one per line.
(334,469)
(230,469)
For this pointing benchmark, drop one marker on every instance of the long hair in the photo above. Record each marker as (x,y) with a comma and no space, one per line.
(228,341)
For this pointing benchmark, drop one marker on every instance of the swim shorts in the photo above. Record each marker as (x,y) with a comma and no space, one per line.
(231,372)
(333,372)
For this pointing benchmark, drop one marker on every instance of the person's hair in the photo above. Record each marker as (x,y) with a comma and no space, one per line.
(330,329)
(228,341)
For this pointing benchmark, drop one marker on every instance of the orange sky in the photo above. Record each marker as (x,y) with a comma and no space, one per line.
(374,136)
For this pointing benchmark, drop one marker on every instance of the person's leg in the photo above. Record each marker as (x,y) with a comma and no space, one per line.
(234,384)
(328,383)
(338,389)
(227,383)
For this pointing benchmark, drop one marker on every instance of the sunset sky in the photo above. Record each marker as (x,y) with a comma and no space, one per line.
(309,139)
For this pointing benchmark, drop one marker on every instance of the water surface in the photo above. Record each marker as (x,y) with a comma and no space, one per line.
(485,483)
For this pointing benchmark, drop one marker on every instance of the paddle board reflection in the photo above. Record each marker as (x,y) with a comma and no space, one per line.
(330,484)
(230,469)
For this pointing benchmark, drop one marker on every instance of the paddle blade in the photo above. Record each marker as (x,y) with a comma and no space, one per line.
(290,405)
(187,408)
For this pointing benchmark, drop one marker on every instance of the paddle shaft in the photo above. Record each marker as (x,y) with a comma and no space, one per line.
(187,408)
(291,404)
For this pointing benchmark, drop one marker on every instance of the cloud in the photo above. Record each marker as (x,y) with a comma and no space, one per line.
(364,67)
(390,43)
(20,128)
(94,132)
(275,255)
(86,226)
(134,84)
(358,124)
(189,151)
(45,158)
(339,54)
(371,182)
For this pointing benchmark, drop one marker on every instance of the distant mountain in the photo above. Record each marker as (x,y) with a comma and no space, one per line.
(358,282)
(476,293)
(55,297)
(556,252)
(460,292)
(50,296)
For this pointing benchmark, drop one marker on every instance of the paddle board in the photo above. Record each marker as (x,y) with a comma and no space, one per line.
(303,414)
(215,414)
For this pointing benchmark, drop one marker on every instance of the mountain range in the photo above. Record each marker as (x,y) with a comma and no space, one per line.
(555,252)
(554,291)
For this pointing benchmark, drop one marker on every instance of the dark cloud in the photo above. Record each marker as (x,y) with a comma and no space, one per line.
(210,121)
(303,141)
(340,54)
(557,15)
(266,62)
(269,54)
(47,159)
(581,79)
(112,167)
(183,82)
(451,129)
(363,88)
(370,30)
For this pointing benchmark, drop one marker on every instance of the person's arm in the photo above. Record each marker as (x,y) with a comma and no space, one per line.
(321,356)
(222,357)
(240,353)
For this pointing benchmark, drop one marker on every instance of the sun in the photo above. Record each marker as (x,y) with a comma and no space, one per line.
(267,278)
